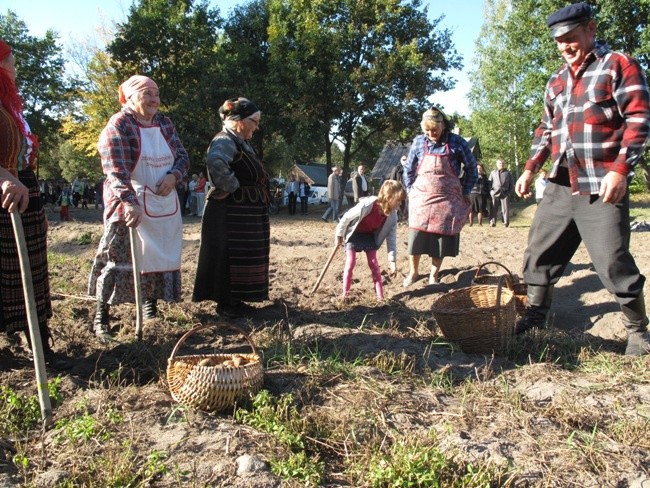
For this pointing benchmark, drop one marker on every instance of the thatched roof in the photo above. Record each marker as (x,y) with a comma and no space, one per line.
(393,151)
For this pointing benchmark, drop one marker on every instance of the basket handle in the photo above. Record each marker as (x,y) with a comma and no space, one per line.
(499,290)
(509,282)
(205,326)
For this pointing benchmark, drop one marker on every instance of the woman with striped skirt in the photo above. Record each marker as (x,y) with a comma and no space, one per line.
(19,191)
(233,265)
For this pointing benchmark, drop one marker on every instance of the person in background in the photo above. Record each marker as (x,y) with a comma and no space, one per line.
(349,189)
(292,188)
(438,200)
(233,266)
(365,227)
(303,194)
(333,194)
(20,192)
(143,159)
(502,184)
(540,184)
(99,193)
(181,192)
(479,196)
(192,198)
(76,191)
(64,201)
(594,146)
(360,186)
(199,191)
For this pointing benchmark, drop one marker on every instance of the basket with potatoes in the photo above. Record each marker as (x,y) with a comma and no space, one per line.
(213,382)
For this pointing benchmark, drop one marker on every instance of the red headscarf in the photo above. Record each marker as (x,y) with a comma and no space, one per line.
(133,85)
(5,49)
(10,98)
(8,92)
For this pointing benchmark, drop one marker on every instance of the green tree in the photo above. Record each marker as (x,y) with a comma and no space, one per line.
(515,56)
(175,42)
(42,83)
(355,68)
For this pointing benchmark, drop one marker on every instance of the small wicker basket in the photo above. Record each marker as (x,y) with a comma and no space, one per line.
(212,382)
(519,289)
(480,318)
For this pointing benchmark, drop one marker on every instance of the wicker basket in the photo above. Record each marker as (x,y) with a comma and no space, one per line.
(519,289)
(480,318)
(204,382)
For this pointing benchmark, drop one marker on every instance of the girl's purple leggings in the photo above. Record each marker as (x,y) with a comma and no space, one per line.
(351,261)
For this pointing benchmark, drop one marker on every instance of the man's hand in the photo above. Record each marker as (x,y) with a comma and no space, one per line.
(132,215)
(613,187)
(15,195)
(166,185)
(522,187)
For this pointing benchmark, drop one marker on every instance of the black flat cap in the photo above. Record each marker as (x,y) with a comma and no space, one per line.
(568,18)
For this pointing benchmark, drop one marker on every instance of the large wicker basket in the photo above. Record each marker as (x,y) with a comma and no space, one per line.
(519,289)
(212,382)
(480,318)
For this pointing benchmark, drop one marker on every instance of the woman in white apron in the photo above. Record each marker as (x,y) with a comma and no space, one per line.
(439,174)
(142,158)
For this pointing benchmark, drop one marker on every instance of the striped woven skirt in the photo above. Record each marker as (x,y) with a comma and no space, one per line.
(234,255)
(13,315)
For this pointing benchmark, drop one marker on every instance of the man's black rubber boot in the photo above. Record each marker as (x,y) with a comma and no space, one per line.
(538,305)
(635,321)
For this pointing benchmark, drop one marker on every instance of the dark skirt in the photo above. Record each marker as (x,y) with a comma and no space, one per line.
(434,245)
(13,315)
(361,241)
(234,255)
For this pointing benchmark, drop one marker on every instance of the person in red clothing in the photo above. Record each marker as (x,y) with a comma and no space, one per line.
(20,192)
(365,227)
(595,129)
(199,190)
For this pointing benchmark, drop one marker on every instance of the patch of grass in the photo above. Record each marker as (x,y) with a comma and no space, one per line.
(85,238)
(64,272)
(550,345)
(19,413)
(299,466)
(392,363)
(280,418)
(411,462)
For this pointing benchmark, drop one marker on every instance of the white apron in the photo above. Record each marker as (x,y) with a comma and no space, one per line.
(161,227)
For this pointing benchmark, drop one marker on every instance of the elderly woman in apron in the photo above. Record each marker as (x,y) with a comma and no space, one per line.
(439,174)
(142,158)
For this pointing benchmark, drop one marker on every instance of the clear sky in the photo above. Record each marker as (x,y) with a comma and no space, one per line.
(82,21)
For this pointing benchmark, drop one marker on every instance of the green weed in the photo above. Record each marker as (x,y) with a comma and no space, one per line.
(420,464)
(299,466)
(279,417)
(19,413)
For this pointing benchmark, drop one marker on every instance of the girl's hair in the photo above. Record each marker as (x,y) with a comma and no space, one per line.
(389,191)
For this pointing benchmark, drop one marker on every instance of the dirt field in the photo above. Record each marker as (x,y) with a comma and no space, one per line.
(564,408)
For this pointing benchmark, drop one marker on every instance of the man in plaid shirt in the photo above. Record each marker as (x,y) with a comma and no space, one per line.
(595,129)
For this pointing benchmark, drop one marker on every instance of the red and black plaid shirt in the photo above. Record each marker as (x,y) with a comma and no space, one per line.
(119,150)
(598,120)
